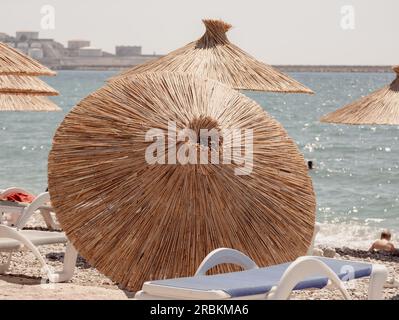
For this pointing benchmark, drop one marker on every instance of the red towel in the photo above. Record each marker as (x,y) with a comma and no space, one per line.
(20,197)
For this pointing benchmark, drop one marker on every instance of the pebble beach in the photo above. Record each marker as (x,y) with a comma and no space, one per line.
(24,281)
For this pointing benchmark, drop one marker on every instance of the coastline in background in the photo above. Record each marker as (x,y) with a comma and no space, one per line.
(79,54)
(121,64)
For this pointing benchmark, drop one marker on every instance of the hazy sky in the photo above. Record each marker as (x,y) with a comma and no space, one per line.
(274,31)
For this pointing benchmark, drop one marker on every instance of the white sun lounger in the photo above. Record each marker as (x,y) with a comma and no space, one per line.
(15,239)
(274,282)
(13,210)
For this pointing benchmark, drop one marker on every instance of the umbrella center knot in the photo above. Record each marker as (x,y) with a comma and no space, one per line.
(207,132)
(214,35)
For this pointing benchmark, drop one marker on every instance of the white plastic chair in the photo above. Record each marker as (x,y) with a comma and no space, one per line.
(296,273)
(16,239)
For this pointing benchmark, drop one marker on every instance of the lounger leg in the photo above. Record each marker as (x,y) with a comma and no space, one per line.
(378,277)
(5,266)
(141,295)
(48,219)
(69,259)
(69,265)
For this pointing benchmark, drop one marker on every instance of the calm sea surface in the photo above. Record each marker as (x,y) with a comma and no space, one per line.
(357,167)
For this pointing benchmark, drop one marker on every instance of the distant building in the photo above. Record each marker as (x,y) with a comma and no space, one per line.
(73,47)
(77,44)
(3,37)
(78,54)
(90,52)
(26,35)
(23,47)
(36,45)
(36,53)
(127,51)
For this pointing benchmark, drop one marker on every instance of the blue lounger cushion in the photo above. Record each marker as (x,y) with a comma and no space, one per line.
(262,280)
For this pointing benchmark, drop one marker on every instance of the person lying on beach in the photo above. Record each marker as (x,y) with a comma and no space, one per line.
(384,243)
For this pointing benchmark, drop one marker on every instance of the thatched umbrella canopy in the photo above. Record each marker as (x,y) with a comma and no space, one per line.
(19,89)
(214,56)
(136,220)
(25,85)
(14,62)
(380,107)
(23,102)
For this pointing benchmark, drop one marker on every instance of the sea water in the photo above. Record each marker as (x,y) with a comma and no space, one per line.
(356,174)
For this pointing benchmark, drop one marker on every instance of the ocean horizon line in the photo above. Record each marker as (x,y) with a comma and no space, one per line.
(282,67)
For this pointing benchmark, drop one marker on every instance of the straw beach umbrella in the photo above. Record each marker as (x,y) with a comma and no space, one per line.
(20,90)
(23,102)
(214,56)
(14,62)
(136,220)
(380,107)
(25,85)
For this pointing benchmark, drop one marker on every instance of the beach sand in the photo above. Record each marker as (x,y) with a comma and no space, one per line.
(23,280)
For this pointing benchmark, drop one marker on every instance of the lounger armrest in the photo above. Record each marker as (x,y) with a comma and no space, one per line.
(379,275)
(316,230)
(302,268)
(225,255)
(67,272)
(6,192)
(39,201)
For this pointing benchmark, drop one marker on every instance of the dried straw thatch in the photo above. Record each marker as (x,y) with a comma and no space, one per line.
(214,56)
(136,221)
(14,62)
(19,90)
(25,85)
(380,107)
(23,102)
